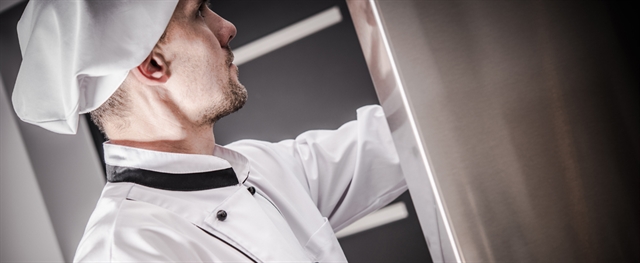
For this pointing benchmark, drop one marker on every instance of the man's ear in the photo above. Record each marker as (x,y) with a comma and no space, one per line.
(153,70)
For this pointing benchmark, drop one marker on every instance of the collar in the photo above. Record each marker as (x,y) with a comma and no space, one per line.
(175,171)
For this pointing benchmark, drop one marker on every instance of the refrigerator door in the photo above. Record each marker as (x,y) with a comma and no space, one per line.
(516,125)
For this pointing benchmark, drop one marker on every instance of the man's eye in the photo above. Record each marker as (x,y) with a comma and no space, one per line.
(200,12)
(202,7)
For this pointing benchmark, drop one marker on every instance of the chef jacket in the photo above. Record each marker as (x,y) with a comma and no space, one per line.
(251,201)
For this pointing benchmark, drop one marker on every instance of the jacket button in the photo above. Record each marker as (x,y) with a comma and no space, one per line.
(252,190)
(221,215)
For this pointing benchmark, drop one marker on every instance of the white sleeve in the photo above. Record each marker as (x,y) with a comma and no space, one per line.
(348,172)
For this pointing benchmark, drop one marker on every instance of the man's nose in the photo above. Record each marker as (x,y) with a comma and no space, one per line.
(225,31)
(232,31)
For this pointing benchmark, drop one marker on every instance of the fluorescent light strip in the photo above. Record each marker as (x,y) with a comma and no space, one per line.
(385,215)
(6,4)
(287,35)
(414,127)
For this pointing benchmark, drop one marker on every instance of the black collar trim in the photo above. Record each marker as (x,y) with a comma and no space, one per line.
(173,182)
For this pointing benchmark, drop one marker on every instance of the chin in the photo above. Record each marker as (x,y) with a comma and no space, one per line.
(235,96)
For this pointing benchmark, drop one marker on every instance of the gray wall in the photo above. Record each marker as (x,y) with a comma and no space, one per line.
(24,221)
(315,83)
(66,167)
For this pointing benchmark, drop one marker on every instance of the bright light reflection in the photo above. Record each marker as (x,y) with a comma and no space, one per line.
(414,127)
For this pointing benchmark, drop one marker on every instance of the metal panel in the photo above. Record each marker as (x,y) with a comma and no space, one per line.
(512,122)
(26,231)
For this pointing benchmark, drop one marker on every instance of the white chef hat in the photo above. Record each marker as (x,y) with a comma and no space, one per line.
(76,53)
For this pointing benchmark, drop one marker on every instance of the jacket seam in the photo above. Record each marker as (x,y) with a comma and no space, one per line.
(115,222)
(227,243)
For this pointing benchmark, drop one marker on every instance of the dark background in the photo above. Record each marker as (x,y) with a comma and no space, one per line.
(315,83)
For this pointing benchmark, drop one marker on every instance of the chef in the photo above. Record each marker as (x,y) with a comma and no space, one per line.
(155,77)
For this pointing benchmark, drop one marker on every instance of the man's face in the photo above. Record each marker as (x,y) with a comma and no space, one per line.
(203,83)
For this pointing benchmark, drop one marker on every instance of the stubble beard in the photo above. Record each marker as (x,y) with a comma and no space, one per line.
(234,97)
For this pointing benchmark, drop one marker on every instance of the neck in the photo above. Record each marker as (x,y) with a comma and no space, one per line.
(201,143)
(165,135)
(153,121)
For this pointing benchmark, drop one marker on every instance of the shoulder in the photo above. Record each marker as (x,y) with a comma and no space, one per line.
(268,156)
(97,240)
(120,230)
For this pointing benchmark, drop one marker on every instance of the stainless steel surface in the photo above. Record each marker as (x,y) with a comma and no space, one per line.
(512,123)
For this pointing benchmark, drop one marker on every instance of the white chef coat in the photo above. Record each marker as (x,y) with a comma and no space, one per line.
(305,189)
